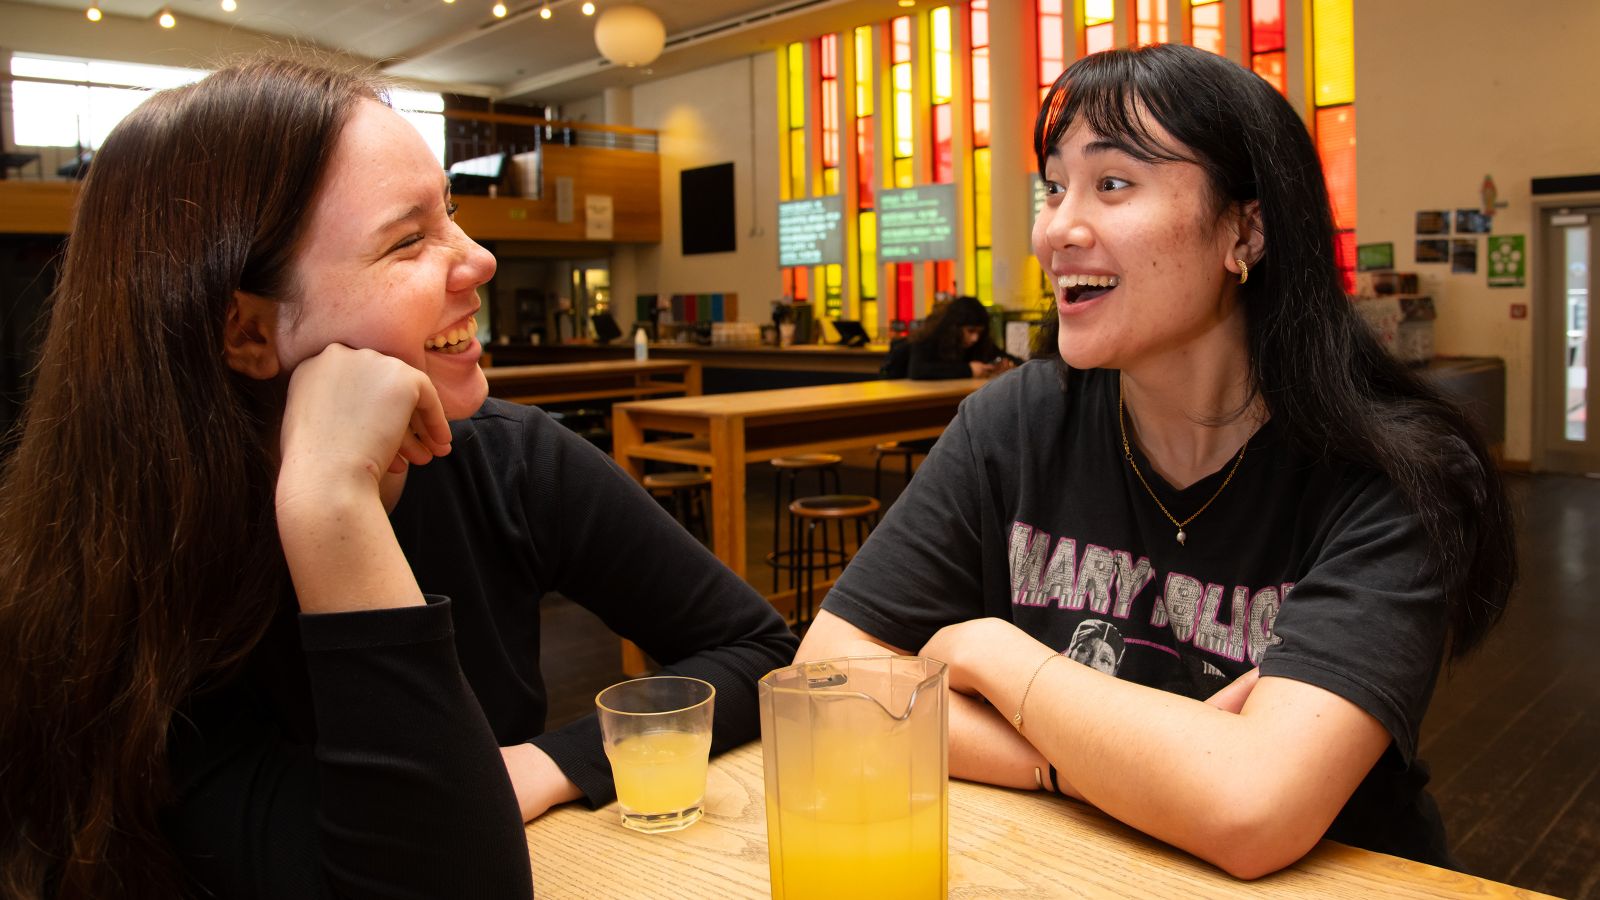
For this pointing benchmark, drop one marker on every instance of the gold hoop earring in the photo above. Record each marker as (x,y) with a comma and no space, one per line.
(1244,271)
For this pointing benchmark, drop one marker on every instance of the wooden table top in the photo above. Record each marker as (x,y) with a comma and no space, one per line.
(1003,843)
(806,399)
(597,367)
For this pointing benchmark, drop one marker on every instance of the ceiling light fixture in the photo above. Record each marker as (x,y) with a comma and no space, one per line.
(167,19)
(544,11)
(449,1)
(93,13)
(229,5)
(908,3)
(588,8)
(629,35)
(499,10)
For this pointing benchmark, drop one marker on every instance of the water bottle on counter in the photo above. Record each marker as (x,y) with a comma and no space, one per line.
(641,345)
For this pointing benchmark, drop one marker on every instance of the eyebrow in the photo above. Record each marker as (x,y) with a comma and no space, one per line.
(412,213)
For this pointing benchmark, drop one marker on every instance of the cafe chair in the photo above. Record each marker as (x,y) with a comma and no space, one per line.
(786,472)
(819,511)
(905,452)
(591,424)
(690,493)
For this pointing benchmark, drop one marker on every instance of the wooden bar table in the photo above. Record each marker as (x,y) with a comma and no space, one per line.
(725,432)
(624,379)
(1003,843)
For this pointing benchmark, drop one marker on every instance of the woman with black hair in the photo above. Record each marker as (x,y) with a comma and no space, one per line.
(1285,529)
(953,342)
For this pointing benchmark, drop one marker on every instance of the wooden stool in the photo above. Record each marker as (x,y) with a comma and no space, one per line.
(689,492)
(837,508)
(787,470)
(892,448)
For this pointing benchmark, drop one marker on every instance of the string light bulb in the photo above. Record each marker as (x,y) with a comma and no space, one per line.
(499,10)
(229,5)
(93,13)
(544,11)
(588,8)
(449,1)
(167,19)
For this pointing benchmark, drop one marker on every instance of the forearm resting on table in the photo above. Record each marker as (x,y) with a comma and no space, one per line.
(539,783)
(1250,793)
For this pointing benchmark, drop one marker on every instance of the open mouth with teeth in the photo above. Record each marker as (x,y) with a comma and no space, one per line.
(1077,288)
(455,340)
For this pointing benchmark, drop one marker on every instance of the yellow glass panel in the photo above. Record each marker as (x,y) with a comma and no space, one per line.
(864,70)
(867,242)
(901,73)
(1203,2)
(902,174)
(902,123)
(1333,42)
(830,182)
(985,273)
(943,64)
(1098,11)
(797,85)
(983,226)
(797,164)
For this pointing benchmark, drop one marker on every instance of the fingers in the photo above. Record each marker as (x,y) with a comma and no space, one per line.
(428,423)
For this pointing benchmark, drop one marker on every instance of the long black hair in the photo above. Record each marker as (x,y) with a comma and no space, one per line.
(1324,378)
(943,328)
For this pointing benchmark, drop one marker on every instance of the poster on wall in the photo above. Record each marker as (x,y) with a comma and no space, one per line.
(1433,221)
(597,217)
(916,224)
(810,232)
(1473,221)
(1507,261)
(1464,256)
(1372,257)
(1433,250)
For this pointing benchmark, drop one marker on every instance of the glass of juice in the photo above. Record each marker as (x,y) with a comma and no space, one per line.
(657,735)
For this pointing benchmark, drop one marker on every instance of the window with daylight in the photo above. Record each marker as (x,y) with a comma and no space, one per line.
(982,229)
(1267,43)
(1333,96)
(1099,28)
(830,278)
(1052,43)
(1150,22)
(866,171)
(64,102)
(1205,26)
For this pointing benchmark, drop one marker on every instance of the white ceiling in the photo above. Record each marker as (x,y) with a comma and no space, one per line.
(522,57)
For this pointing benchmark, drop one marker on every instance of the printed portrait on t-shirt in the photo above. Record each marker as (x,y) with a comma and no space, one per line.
(1097,644)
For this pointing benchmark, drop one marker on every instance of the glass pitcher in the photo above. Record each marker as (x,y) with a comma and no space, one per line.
(856,769)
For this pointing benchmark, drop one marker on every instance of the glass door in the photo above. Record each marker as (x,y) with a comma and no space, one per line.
(1571,240)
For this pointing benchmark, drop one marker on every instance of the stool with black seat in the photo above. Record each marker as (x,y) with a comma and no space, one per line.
(690,492)
(786,472)
(906,451)
(814,511)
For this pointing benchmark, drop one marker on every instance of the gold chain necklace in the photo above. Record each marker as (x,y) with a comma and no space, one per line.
(1127,454)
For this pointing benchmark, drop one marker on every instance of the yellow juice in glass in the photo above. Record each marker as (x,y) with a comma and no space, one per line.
(660,772)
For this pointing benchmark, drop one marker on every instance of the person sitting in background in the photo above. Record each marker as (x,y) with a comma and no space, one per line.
(269,611)
(953,342)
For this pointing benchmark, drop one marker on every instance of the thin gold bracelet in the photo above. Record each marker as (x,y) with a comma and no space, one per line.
(1016,720)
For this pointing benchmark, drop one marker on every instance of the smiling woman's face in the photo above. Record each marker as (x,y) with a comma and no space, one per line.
(381,264)
(1135,251)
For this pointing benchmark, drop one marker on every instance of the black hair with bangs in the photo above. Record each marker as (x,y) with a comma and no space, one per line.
(1325,380)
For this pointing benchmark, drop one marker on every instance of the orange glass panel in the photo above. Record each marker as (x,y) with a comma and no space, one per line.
(1097,38)
(944,276)
(1271,67)
(1336,142)
(980,23)
(1051,7)
(980,124)
(1266,26)
(901,50)
(1334,59)
(1205,25)
(1150,19)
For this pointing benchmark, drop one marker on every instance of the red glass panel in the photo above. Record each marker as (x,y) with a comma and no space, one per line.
(1271,67)
(866,156)
(1052,48)
(1336,142)
(943,154)
(1097,38)
(830,125)
(1050,7)
(980,25)
(1266,26)
(980,73)
(1344,246)
(802,284)
(905,287)
(901,48)
(980,124)
(828,46)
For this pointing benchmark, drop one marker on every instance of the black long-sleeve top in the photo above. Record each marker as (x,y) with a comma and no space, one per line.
(358,753)
(925,363)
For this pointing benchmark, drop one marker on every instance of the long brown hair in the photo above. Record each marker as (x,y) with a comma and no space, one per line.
(136,519)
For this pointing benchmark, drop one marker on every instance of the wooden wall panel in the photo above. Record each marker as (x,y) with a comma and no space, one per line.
(37,207)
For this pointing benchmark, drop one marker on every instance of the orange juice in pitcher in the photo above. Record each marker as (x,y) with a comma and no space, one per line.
(854,752)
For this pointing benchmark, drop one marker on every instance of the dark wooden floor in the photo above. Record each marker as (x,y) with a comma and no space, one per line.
(1513,734)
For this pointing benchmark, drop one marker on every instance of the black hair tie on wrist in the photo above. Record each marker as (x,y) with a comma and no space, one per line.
(1054,785)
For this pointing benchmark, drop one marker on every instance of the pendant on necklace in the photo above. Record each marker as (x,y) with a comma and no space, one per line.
(1181,537)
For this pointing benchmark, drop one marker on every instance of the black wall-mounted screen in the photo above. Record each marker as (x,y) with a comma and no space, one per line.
(706,196)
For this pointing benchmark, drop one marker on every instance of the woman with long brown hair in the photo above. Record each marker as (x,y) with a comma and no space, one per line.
(269,610)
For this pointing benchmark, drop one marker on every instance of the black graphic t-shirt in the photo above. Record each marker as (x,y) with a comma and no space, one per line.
(1309,567)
